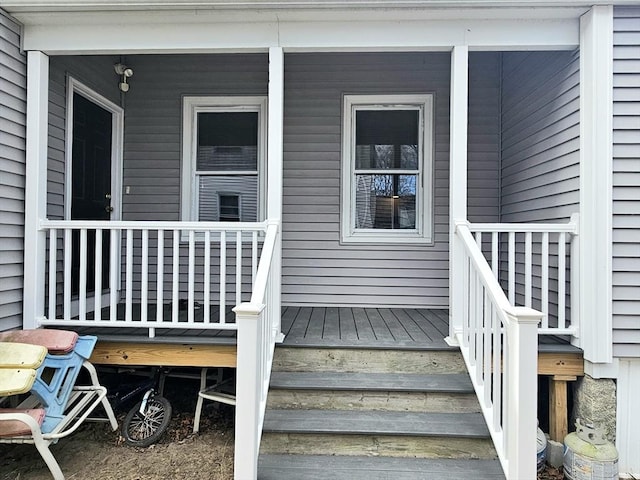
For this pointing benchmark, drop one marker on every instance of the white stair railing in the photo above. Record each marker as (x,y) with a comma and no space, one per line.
(499,343)
(258,329)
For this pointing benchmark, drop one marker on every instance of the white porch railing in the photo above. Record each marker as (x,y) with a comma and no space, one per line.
(164,267)
(258,329)
(534,263)
(162,261)
(499,345)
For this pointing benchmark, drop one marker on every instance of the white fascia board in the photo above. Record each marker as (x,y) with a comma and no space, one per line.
(124,5)
(147,37)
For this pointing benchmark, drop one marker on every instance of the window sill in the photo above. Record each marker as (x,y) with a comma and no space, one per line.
(401,238)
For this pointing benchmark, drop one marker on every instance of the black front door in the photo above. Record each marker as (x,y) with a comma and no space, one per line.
(91,184)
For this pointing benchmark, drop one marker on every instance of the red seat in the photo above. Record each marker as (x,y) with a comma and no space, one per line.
(56,341)
(15,428)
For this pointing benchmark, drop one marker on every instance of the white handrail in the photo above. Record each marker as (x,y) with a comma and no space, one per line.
(499,345)
(153,225)
(257,333)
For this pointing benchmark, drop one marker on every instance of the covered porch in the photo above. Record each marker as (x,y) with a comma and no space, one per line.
(459,276)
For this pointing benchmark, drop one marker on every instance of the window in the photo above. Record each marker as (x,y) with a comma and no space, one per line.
(222,158)
(387,169)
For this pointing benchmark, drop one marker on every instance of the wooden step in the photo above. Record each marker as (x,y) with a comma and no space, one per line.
(295,359)
(376,391)
(468,425)
(325,467)
(400,382)
(379,433)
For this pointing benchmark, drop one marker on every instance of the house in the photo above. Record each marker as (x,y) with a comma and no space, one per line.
(479,158)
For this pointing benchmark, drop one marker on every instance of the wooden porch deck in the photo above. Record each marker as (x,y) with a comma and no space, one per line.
(341,327)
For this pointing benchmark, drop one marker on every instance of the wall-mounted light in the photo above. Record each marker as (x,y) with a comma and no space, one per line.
(126,72)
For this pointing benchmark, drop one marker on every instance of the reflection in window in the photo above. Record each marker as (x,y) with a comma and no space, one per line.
(386,140)
(227,161)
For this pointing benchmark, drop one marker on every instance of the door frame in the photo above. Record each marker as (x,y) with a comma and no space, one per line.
(117,146)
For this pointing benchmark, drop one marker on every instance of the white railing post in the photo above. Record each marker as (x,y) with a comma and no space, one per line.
(35,187)
(274,170)
(457,182)
(249,318)
(574,265)
(521,380)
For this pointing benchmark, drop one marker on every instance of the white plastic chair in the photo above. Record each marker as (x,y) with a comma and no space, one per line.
(212,392)
(56,406)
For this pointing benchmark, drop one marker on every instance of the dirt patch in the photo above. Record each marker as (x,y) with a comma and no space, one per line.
(95,452)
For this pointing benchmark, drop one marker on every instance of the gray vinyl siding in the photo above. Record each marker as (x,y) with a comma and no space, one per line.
(317,269)
(484,137)
(153,121)
(13,106)
(540,136)
(626,182)
(540,155)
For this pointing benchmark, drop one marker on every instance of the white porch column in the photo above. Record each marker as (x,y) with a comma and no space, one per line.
(457,181)
(35,187)
(596,130)
(274,172)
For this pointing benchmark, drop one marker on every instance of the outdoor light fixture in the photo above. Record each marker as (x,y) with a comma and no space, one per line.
(126,72)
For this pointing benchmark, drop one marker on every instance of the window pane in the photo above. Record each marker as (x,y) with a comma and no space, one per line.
(229,208)
(216,192)
(387,139)
(227,141)
(386,201)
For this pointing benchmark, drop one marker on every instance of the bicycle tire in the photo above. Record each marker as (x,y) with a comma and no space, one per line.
(143,430)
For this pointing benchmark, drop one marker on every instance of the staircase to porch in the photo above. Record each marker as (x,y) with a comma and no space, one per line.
(359,403)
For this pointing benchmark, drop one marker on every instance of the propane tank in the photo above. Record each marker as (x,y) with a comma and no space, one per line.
(541,450)
(588,455)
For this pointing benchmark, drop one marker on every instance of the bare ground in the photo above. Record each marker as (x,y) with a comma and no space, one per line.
(96,453)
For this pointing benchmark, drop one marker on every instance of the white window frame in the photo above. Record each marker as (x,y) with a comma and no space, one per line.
(423,233)
(191,106)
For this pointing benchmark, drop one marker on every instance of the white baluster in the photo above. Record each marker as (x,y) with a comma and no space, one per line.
(97,277)
(67,274)
(160,278)
(175,276)
(128,306)
(223,276)
(144,285)
(207,277)
(191,277)
(53,269)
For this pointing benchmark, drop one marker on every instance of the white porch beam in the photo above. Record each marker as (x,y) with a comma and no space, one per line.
(138,33)
(457,182)
(596,130)
(35,186)
(275,169)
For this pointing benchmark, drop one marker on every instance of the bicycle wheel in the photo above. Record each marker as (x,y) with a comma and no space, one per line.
(142,430)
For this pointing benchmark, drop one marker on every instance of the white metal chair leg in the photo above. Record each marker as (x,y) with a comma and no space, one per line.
(50,460)
(39,441)
(105,401)
(203,386)
(196,418)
